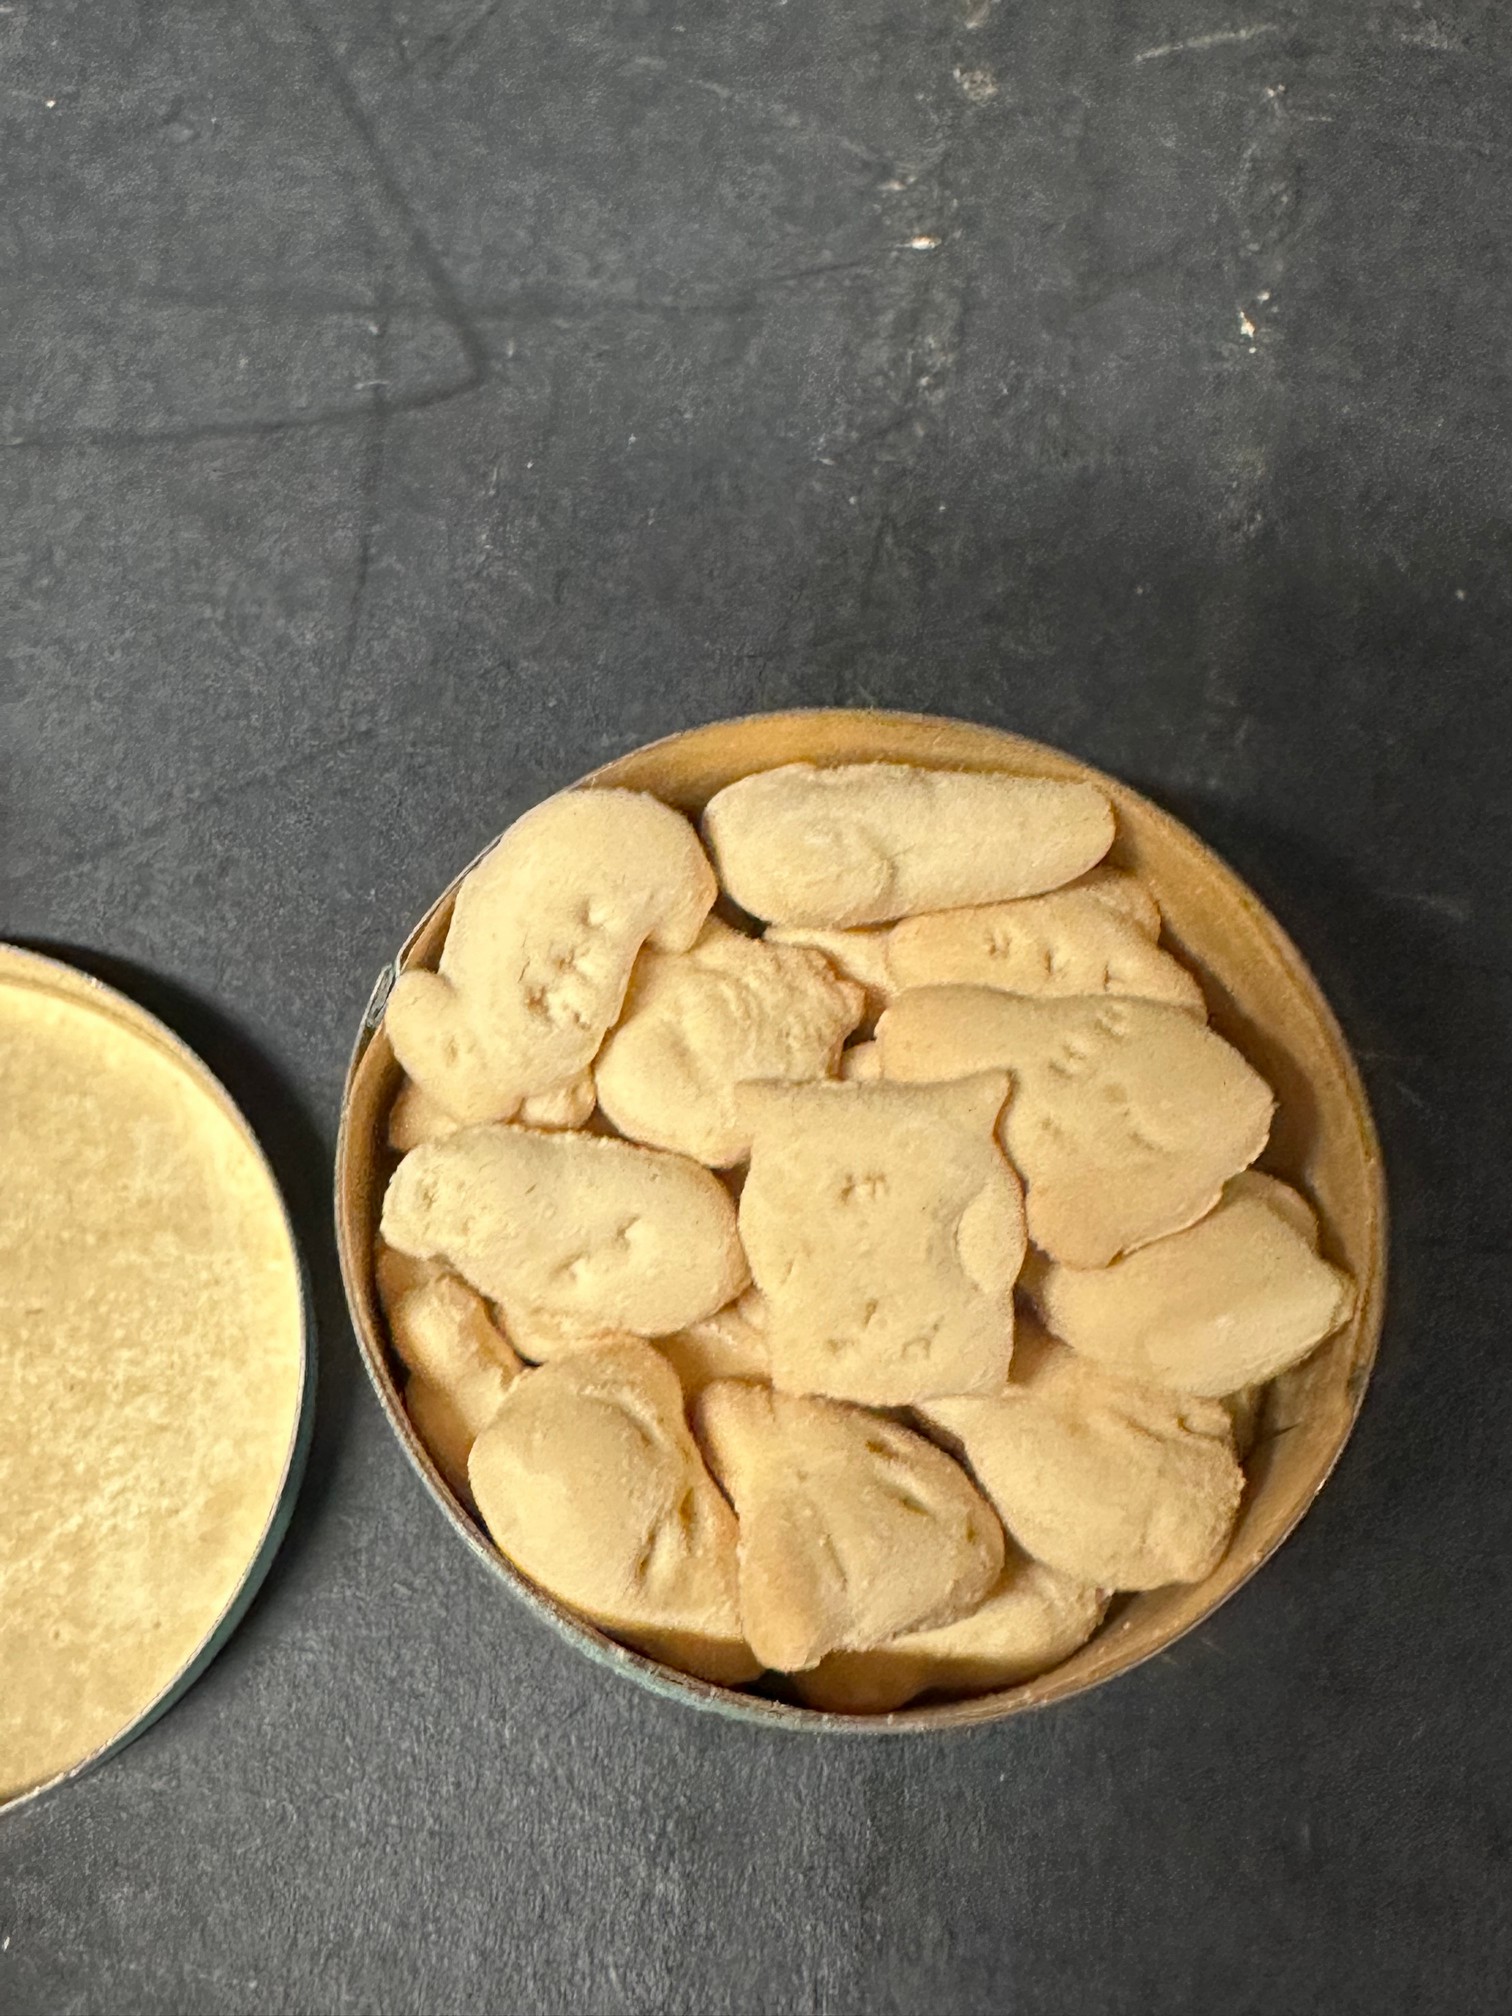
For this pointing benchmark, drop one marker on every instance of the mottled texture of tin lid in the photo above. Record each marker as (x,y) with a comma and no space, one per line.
(152,1362)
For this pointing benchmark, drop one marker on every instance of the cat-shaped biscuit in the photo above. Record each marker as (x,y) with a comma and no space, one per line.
(885,1231)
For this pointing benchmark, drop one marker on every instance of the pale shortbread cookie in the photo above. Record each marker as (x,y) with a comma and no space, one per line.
(538,955)
(1126,1117)
(1122,892)
(861,1064)
(858,956)
(885,1230)
(1281,1197)
(730,1344)
(460,1364)
(588,1233)
(1118,1485)
(866,842)
(698,1023)
(852,1529)
(590,1482)
(866,955)
(540,1335)
(1230,1302)
(415,1116)
(1069,942)
(1032,1620)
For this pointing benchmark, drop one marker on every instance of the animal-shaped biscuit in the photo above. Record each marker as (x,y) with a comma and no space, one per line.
(1069,942)
(576,1231)
(1118,1485)
(730,1344)
(538,955)
(852,1529)
(589,1482)
(415,1116)
(697,1023)
(885,1231)
(865,842)
(1095,936)
(1032,1620)
(459,1363)
(1126,1117)
(1230,1302)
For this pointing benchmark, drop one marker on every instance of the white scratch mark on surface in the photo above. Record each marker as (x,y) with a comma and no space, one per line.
(1218,39)
(923,243)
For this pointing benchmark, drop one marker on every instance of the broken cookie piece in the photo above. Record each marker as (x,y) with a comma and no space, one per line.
(862,843)
(538,954)
(1117,1485)
(589,1481)
(1031,1621)
(581,1233)
(1126,1117)
(885,1230)
(1230,1302)
(698,1023)
(852,1529)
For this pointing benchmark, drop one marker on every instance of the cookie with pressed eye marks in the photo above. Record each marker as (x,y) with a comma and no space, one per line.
(1126,1117)
(538,954)
(885,1230)
(852,1529)
(1119,1485)
(1069,942)
(589,1481)
(587,1233)
(698,1023)
(1033,945)
(1032,1620)
(1228,1303)
(861,843)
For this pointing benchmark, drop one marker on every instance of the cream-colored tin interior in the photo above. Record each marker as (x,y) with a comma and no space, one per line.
(152,1360)
(1261,997)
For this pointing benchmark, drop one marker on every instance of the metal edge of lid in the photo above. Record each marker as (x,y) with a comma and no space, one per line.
(62,980)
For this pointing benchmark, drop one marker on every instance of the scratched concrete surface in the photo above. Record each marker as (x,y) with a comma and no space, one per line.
(403,407)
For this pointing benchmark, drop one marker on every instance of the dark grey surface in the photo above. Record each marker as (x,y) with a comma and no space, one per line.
(408,407)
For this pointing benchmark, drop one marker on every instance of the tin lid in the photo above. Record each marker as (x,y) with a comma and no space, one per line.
(154,1369)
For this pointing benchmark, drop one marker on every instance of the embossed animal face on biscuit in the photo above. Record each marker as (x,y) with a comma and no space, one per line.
(884,1229)
(542,940)
(1126,1117)
(860,843)
(698,1023)
(1069,942)
(852,1529)
(590,1482)
(594,1234)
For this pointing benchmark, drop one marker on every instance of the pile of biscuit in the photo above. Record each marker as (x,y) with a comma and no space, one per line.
(828,1246)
